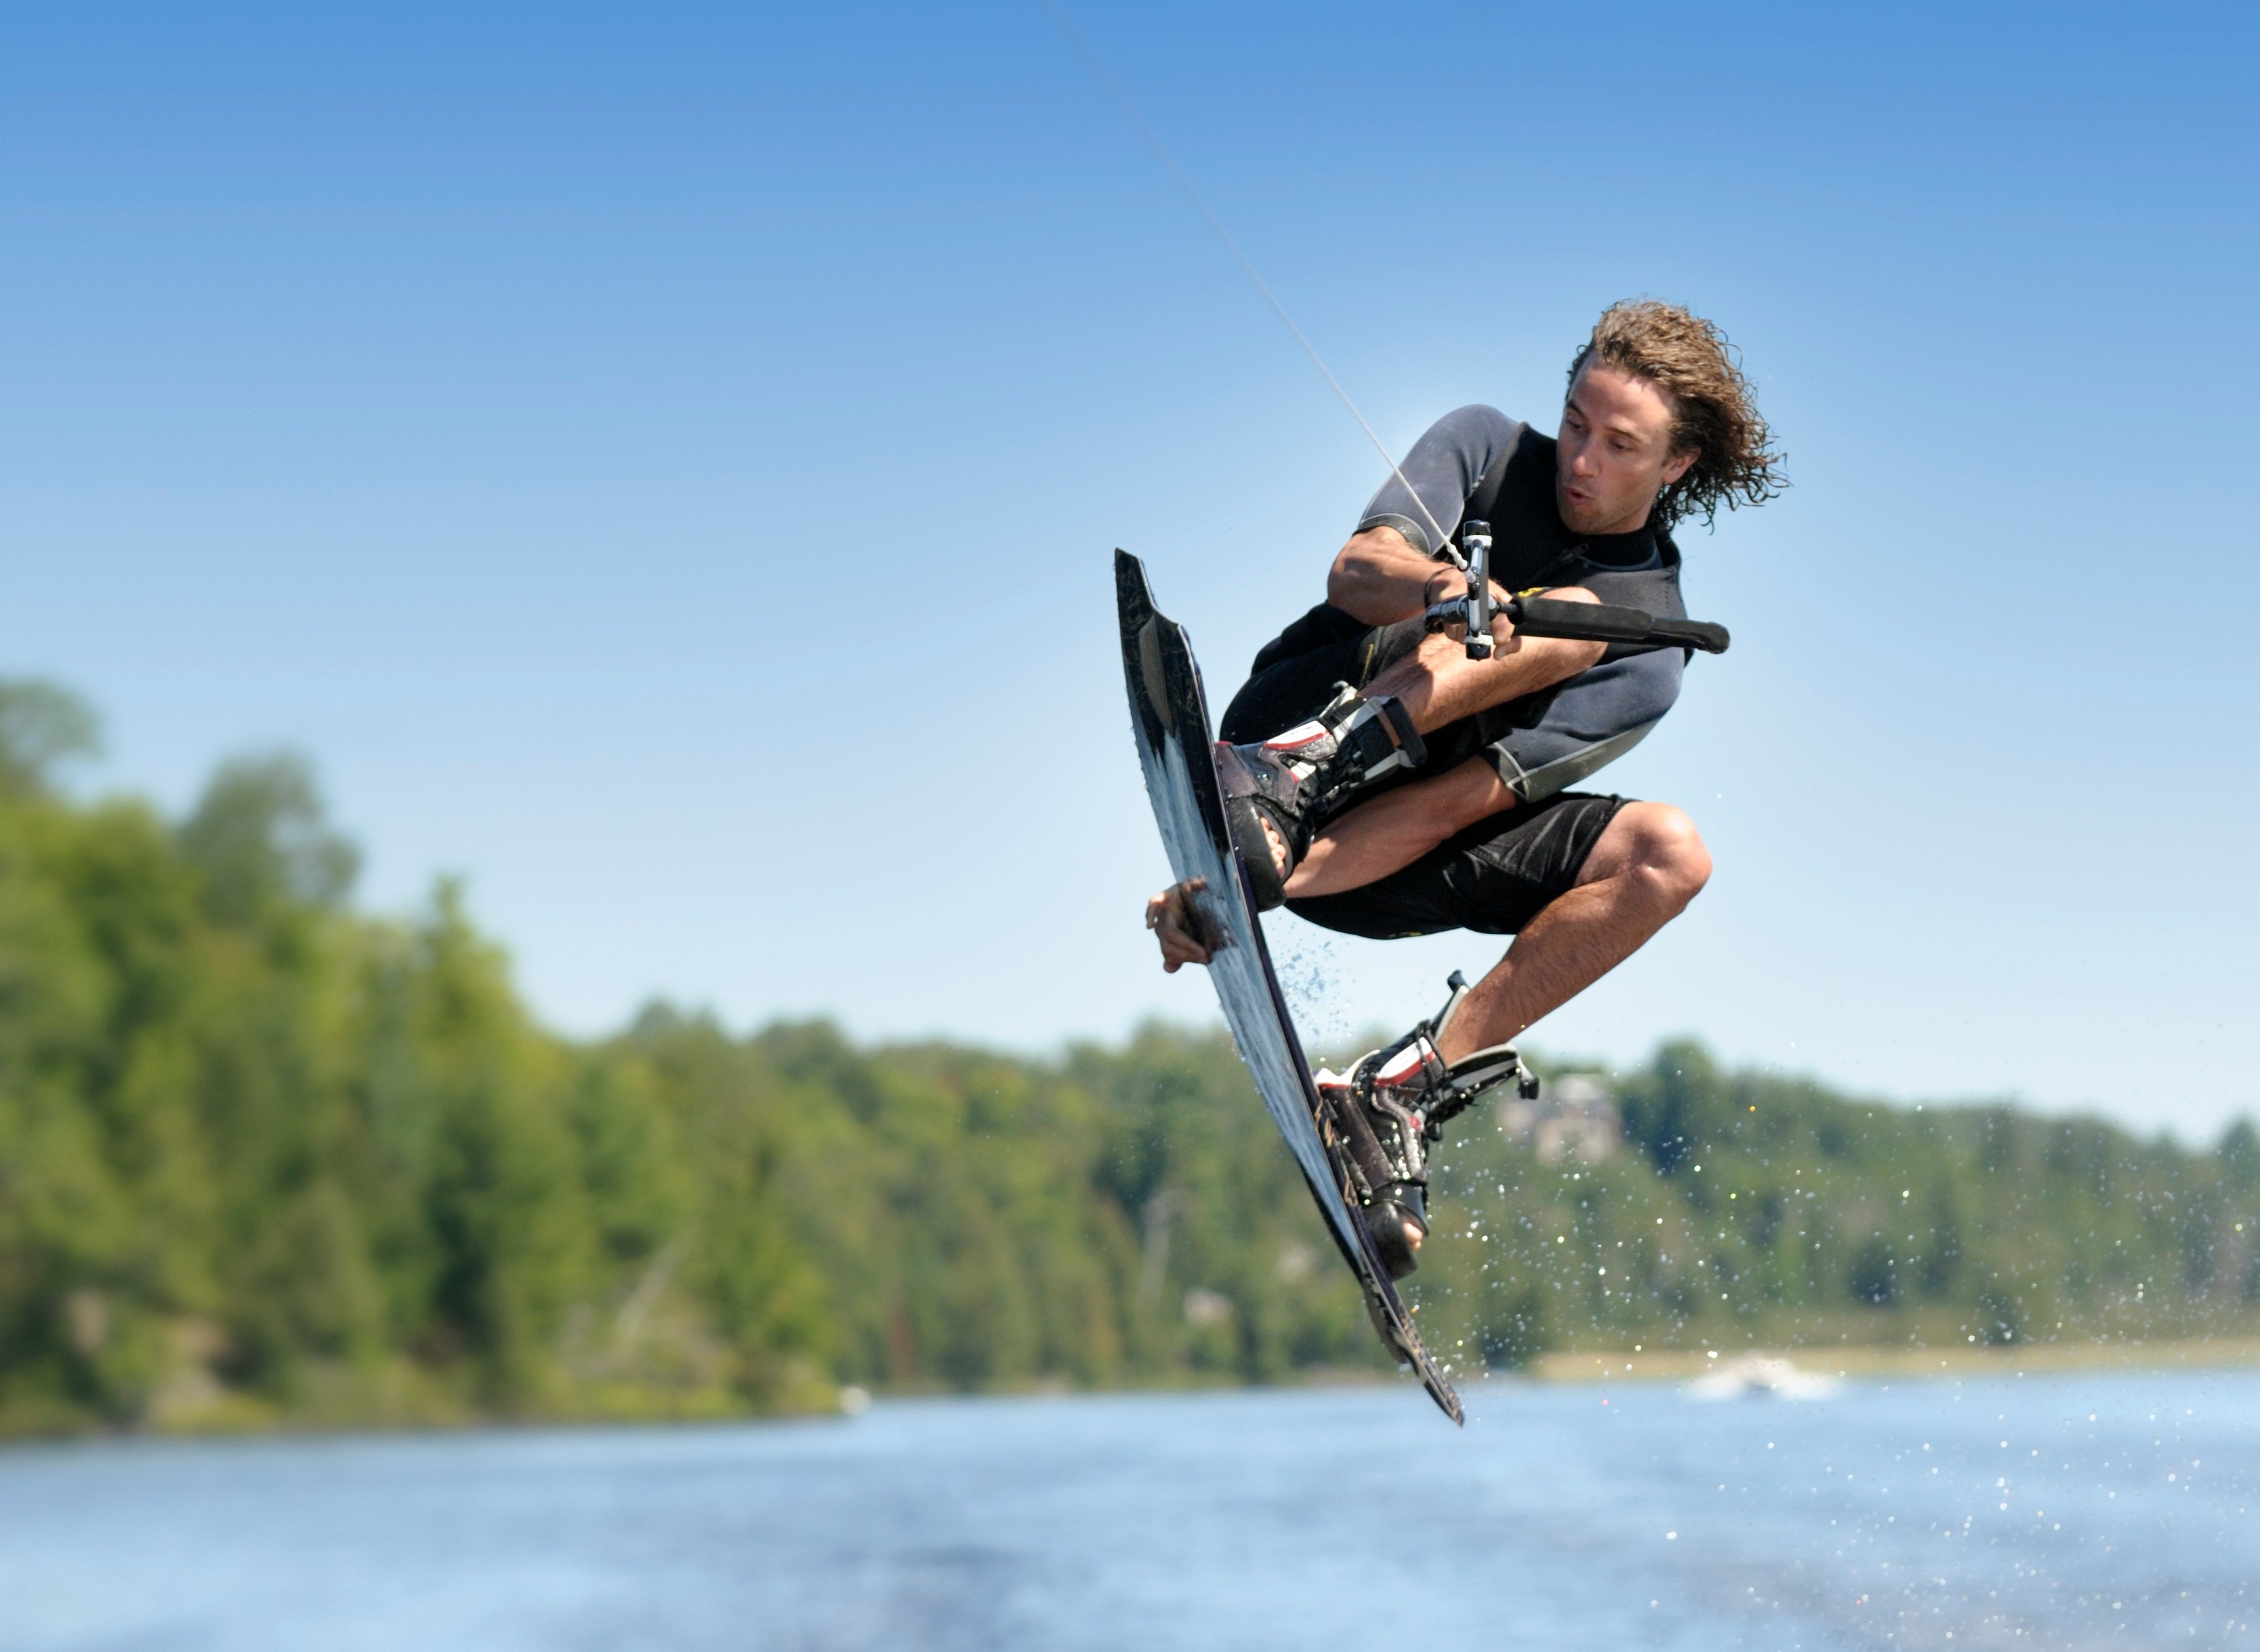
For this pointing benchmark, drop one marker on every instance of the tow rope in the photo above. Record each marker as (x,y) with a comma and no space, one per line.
(1091,60)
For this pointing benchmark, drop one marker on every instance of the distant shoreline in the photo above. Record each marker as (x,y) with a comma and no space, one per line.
(1678,1364)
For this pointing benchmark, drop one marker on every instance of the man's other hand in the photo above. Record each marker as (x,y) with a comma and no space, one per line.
(1170,916)
(1449,584)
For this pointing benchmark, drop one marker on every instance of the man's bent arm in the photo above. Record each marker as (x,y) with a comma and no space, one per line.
(1437,683)
(1380,578)
(1380,575)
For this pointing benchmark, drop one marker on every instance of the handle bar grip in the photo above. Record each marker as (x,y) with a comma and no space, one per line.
(1693,634)
(1603,622)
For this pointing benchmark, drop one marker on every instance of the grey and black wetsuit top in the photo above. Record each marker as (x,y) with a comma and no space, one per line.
(1553,739)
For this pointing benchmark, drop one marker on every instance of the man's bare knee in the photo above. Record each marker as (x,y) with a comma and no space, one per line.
(1670,850)
(1658,844)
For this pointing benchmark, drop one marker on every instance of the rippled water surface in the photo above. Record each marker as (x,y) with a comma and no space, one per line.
(2062,1512)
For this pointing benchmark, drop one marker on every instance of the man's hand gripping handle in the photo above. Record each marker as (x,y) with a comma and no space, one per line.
(1473,607)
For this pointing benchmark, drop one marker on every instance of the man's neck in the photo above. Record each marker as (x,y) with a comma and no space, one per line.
(1626,548)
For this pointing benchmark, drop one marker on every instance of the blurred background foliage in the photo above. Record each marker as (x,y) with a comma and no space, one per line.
(264,1159)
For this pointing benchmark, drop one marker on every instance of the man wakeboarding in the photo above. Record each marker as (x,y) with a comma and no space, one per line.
(1381,781)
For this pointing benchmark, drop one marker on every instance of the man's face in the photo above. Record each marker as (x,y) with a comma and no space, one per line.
(1615,453)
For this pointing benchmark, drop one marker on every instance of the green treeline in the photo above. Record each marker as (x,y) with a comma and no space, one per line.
(263,1158)
(1747,1208)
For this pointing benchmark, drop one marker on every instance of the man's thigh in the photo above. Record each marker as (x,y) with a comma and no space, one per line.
(1493,878)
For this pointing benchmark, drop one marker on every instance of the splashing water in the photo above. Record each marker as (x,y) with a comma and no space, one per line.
(1317,980)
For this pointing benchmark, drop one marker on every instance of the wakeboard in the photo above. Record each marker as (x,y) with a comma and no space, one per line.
(1168,714)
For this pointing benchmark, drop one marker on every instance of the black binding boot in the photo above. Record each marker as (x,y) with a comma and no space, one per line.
(1391,1107)
(1293,780)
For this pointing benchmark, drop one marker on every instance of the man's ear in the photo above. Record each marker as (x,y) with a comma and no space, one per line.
(1680,463)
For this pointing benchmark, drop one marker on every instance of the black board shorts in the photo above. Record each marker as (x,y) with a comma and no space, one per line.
(1495,877)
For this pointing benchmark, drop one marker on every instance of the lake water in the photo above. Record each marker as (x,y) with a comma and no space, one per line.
(2060,1513)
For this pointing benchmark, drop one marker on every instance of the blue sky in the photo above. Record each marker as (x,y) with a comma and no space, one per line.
(662,463)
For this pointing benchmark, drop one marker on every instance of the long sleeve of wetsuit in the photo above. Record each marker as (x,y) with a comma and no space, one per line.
(1558,738)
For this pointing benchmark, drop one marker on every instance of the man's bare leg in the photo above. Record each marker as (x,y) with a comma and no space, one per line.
(1365,844)
(1434,684)
(1648,864)
(1639,874)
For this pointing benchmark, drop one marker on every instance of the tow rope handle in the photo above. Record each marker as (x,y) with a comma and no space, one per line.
(1603,622)
(1473,608)
(1536,616)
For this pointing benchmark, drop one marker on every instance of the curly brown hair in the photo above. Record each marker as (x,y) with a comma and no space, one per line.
(1714,410)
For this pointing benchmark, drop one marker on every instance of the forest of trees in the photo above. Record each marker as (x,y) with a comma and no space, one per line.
(265,1159)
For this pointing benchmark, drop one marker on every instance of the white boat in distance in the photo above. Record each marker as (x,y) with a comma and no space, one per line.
(1759,1377)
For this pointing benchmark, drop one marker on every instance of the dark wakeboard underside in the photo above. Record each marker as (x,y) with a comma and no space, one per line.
(1169,716)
